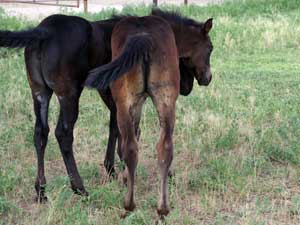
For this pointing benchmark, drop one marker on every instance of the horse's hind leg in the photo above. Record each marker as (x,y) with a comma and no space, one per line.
(114,134)
(41,104)
(130,154)
(64,134)
(164,101)
(128,115)
(41,95)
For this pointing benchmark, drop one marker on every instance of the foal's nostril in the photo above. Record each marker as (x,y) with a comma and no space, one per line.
(209,78)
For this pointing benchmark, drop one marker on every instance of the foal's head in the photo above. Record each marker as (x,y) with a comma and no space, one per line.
(197,58)
(194,44)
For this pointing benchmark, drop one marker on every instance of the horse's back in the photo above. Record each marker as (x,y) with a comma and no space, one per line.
(160,31)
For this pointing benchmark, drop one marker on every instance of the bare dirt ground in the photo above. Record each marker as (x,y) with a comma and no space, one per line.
(33,11)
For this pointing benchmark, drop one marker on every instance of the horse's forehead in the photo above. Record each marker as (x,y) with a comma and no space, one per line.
(205,39)
(202,40)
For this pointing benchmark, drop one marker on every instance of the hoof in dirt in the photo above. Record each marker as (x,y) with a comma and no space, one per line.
(124,180)
(81,192)
(110,170)
(124,177)
(124,214)
(171,173)
(128,209)
(41,199)
(129,206)
(112,174)
(162,212)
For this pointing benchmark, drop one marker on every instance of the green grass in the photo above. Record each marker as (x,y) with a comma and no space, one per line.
(237,147)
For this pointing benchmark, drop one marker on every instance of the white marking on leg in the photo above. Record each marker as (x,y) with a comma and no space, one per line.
(39,98)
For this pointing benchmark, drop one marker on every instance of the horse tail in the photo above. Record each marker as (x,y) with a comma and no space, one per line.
(20,39)
(136,50)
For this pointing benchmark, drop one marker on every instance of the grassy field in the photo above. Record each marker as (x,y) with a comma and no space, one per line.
(237,142)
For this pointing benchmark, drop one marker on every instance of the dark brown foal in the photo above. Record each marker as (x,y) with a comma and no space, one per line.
(144,50)
(194,48)
(145,62)
(59,52)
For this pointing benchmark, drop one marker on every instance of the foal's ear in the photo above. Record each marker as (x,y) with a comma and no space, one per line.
(208,25)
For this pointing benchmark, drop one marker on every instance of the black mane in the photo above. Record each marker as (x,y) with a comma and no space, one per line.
(175,17)
(170,16)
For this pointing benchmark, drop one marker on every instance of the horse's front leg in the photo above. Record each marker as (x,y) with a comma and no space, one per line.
(111,145)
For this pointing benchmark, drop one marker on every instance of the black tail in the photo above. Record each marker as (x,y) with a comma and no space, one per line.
(136,50)
(20,39)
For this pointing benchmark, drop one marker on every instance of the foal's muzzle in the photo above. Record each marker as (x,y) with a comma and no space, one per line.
(205,79)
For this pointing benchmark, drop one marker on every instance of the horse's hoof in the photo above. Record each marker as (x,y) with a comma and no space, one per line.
(112,174)
(110,169)
(80,191)
(163,211)
(125,177)
(171,173)
(129,206)
(41,199)
(40,191)
(124,180)
(124,214)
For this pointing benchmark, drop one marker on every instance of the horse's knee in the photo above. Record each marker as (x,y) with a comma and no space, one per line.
(59,133)
(41,129)
(40,135)
(63,133)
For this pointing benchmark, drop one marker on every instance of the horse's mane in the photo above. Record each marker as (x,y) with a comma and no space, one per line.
(118,17)
(170,16)
(175,17)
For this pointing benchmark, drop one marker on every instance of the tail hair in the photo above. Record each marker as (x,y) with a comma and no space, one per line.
(20,39)
(136,50)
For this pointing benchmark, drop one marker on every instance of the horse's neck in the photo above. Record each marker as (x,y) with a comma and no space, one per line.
(104,25)
(180,38)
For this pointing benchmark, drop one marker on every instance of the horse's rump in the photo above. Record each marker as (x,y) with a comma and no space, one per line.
(146,42)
